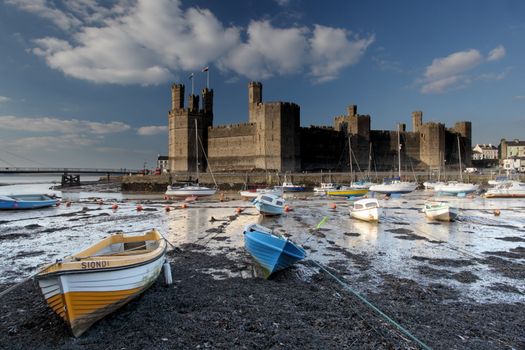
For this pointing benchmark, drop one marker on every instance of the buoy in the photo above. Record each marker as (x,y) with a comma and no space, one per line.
(167,273)
(287,208)
(183,205)
(496,212)
(139,207)
(68,204)
(238,210)
(333,206)
(167,208)
(166,197)
(114,206)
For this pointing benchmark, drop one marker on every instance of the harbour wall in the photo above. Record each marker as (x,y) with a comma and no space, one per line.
(235,181)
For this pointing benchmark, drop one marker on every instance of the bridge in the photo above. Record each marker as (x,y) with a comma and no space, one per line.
(70,176)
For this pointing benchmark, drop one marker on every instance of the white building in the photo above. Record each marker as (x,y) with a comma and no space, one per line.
(480,152)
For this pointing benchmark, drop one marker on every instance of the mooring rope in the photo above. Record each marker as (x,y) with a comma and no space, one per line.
(373,307)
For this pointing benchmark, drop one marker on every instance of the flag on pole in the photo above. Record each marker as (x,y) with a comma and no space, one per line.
(191,76)
(205,69)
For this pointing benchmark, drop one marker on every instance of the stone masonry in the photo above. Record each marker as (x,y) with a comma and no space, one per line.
(273,139)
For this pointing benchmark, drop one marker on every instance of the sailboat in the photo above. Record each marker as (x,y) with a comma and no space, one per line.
(365,183)
(192,189)
(395,185)
(454,187)
(348,191)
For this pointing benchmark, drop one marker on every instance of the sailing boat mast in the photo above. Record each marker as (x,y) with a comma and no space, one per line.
(459,155)
(398,152)
(197,150)
(350,154)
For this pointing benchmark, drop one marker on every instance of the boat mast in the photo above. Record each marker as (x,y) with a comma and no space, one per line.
(197,150)
(369,161)
(350,154)
(398,152)
(459,154)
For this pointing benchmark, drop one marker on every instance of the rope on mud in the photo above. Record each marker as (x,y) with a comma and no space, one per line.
(373,307)
(13,287)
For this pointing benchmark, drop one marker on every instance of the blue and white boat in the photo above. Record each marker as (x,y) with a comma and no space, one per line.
(26,201)
(269,204)
(271,251)
(290,187)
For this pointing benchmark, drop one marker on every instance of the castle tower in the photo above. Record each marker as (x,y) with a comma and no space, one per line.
(417,120)
(254,98)
(464,129)
(193,103)
(432,144)
(177,96)
(182,145)
(207,101)
(352,110)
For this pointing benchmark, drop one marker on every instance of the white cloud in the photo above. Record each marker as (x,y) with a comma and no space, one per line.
(332,51)
(4,99)
(520,97)
(283,3)
(151,42)
(455,63)
(497,53)
(152,130)
(448,72)
(47,124)
(66,141)
(46,10)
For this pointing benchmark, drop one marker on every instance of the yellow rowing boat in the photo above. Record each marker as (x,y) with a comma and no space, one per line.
(85,287)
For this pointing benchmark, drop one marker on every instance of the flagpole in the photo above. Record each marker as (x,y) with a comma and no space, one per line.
(192,87)
(208,78)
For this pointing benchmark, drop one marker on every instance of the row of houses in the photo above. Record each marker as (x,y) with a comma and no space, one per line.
(509,155)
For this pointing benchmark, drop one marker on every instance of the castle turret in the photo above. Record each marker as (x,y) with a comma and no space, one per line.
(254,98)
(207,101)
(193,103)
(352,110)
(417,120)
(177,96)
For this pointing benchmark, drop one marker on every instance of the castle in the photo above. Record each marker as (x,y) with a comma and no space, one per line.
(273,139)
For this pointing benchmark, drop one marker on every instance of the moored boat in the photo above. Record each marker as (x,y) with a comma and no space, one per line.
(367,209)
(325,186)
(85,287)
(440,211)
(456,188)
(190,190)
(290,187)
(347,191)
(394,186)
(272,252)
(27,201)
(269,204)
(508,189)
(257,192)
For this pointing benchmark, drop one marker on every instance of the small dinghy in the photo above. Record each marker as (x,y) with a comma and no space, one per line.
(85,287)
(440,211)
(269,204)
(271,251)
(26,201)
(367,209)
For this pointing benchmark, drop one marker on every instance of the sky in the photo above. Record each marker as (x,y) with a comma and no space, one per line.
(87,83)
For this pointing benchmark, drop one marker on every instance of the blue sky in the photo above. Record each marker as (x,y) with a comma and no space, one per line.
(87,83)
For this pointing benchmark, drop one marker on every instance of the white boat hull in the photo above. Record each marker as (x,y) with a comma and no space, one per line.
(510,189)
(444,213)
(190,191)
(397,187)
(456,188)
(369,214)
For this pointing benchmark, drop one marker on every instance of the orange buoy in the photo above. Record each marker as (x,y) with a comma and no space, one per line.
(183,205)
(167,208)
(68,204)
(238,210)
(333,206)
(139,207)
(496,212)
(287,208)
(114,206)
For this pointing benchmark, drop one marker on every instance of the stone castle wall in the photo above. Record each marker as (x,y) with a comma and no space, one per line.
(273,139)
